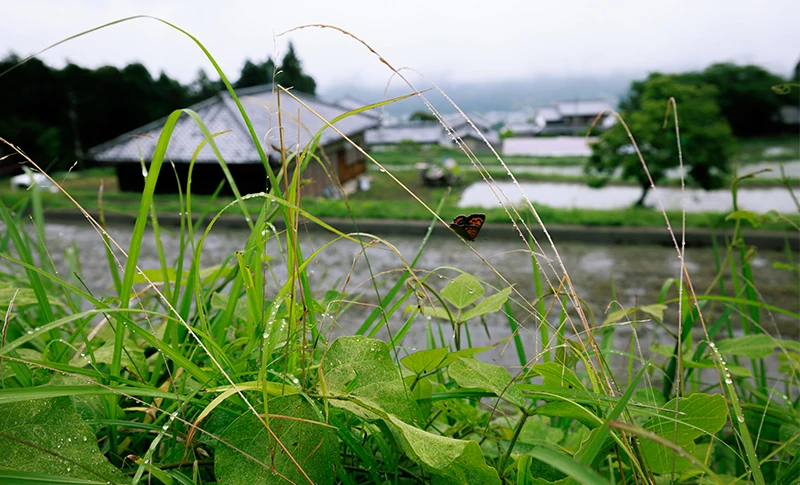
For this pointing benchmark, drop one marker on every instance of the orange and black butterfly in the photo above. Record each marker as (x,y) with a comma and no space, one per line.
(468,227)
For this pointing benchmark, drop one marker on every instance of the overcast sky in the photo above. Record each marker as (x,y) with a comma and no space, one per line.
(449,41)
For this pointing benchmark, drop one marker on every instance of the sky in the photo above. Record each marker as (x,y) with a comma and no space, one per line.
(447,41)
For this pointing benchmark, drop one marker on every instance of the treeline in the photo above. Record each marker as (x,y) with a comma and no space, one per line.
(54,115)
(749,97)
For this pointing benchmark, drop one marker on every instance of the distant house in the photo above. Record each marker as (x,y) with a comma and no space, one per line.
(430,134)
(574,117)
(424,134)
(469,136)
(222,116)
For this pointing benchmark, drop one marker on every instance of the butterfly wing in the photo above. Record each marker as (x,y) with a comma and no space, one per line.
(461,231)
(476,220)
(468,227)
(459,221)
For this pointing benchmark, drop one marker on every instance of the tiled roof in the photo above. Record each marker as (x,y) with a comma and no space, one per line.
(220,114)
(548,113)
(424,132)
(582,107)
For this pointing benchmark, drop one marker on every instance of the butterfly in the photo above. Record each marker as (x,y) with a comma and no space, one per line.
(468,227)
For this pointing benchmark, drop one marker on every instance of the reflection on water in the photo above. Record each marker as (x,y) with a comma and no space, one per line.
(581,196)
(638,273)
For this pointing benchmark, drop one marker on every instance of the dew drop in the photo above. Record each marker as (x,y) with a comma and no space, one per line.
(728,381)
(740,418)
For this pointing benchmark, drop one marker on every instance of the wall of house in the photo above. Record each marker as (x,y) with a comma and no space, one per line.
(249,178)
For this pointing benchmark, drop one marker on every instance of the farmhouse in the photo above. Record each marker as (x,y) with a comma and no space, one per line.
(430,134)
(573,117)
(223,118)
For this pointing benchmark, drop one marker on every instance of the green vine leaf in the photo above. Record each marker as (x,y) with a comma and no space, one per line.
(463,291)
(314,447)
(48,436)
(472,373)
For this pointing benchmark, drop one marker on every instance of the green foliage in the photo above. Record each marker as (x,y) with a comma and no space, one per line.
(422,116)
(299,432)
(291,74)
(743,93)
(706,138)
(47,436)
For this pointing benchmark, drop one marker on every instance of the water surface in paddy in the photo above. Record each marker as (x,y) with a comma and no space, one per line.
(638,275)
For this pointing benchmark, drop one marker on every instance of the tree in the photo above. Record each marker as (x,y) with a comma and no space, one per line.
(422,116)
(203,87)
(255,74)
(745,97)
(706,137)
(291,74)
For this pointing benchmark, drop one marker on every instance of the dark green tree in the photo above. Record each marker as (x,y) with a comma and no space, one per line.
(256,74)
(422,116)
(55,115)
(706,137)
(291,74)
(203,87)
(746,98)
(744,95)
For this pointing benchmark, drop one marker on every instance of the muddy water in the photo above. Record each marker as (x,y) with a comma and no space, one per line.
(638,273)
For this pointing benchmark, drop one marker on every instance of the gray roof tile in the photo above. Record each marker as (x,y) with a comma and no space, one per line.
(220,114)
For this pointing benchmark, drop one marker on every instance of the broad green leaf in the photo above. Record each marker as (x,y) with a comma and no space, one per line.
(25,296)
(437,312)
(567,465)
(557,375)
(219,301)
(656,311)
(469,352)
(752,346)
(424,361)
(48,436)
(13,477)
(132,357)
(449,461)
(378,382)
(748,216)
(314,447)
(537,431)
(698,414)
(491,304)
(790,432)
(156,275)
(462,291)
(568,409)
(472,373)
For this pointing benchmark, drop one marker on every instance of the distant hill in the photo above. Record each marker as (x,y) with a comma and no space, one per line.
(492,96)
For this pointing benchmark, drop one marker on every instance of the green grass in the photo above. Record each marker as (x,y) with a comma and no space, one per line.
(193,374)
